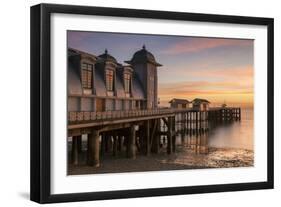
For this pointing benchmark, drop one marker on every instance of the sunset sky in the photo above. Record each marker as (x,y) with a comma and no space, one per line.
(193,67)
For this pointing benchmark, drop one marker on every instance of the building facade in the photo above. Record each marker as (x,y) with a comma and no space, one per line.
(100,83)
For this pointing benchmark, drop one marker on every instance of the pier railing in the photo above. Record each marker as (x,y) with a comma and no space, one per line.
(89,116)
(81,116)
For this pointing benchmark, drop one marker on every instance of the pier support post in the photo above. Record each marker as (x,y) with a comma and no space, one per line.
(239,114)
(197,142)
(74,150)
(147,137)
(183,128)
(169,135)
(79,143)
(190,123)
(207,121)
(186,124)
(156,138)
(93,149)
(115,145)
(142,139)
(103,144)
(196,120)
(132,142)
(174,135)
(200,120)
(108,142)
(120,142)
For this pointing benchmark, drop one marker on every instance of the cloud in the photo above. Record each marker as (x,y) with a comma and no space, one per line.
(198,93)
(199,44)
(232,85)
(246,71)
(207,76)
(240,96)
(199,88)
(245,74)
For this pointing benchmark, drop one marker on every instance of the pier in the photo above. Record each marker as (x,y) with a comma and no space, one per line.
(116,107)
(140,131)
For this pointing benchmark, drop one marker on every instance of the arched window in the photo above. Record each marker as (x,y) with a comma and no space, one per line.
(87,76)
(109,80)
(127,82)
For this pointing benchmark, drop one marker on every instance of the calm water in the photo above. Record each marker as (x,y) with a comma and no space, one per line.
(225,146)
(236,135)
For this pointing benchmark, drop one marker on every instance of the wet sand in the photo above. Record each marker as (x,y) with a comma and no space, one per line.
(184,158)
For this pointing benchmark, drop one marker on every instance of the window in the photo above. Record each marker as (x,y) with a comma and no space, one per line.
(127,82)
(87,75)
(109,80)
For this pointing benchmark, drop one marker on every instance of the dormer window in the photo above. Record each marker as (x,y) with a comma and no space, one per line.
(109,80)
(87,76)
(127,82)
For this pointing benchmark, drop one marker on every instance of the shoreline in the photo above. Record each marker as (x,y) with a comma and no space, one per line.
(185,158)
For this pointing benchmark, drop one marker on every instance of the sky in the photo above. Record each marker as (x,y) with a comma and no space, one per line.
(217,69)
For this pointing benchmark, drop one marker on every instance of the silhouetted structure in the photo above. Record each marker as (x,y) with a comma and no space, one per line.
(200,104)
(179,103)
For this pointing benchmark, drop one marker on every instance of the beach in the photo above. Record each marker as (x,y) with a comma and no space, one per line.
(185,158)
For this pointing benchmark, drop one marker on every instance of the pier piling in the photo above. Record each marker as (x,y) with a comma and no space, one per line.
(132,143)
(74,151)
(93,149)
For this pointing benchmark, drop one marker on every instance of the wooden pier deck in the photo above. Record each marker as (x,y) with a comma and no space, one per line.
(142,131)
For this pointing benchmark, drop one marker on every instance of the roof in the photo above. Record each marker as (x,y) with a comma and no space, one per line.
(74,83)
(74,79)
(180,101)
(73,52)
(107,57)
(100,83)
(137,90)
(200,100)
(143,56)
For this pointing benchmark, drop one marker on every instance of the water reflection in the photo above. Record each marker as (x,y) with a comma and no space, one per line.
(229,144)
(198,143)
(237,134)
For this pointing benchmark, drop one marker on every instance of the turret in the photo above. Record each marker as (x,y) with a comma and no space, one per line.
(145,66)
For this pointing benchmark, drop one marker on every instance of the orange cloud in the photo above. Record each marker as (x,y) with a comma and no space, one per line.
(240,97)
(199,44)
(244,72)
(175,92)
(217,78)
(232,85)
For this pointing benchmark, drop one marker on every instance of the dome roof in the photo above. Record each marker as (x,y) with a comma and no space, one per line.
(143,56)
(107,57)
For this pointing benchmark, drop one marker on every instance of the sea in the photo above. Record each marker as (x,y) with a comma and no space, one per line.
(237,135)
(228,145)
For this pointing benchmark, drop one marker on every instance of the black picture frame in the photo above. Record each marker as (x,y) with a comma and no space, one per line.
(40,102)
